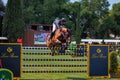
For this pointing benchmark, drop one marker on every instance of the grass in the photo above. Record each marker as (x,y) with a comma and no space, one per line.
(53,76)
(56,76)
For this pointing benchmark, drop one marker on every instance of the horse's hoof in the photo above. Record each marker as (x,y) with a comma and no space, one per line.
(72,55)
(66,48)
(52,54)
(60,44)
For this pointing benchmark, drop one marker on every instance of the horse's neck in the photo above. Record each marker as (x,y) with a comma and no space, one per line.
(57,33)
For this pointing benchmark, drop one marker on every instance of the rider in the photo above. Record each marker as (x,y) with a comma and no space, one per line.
(57,24)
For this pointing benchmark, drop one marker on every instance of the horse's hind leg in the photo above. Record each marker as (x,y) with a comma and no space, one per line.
(52,50)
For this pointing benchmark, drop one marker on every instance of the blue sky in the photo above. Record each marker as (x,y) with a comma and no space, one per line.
(110,1)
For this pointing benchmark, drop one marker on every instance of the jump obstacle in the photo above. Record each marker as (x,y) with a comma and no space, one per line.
(39,59)
(63,62)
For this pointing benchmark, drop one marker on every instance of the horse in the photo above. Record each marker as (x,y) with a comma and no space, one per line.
(61,36)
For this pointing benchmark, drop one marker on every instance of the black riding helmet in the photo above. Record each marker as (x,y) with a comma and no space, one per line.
(63,20)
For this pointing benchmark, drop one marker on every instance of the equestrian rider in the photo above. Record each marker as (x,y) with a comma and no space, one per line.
(56,25)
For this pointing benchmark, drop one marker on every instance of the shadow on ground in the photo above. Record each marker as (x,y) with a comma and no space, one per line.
(74,78)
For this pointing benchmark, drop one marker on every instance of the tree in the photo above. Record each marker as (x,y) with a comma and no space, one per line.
(86,18)
(116,17)
(43,11)
(105,26)
(99,7)
(116,12)
(2,8)
(50,11)
(114,27)
(74,19)
(32,11)
(99,10)
(78,27)
(13,20)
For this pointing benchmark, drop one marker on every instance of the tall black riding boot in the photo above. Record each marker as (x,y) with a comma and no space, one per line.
(51,35)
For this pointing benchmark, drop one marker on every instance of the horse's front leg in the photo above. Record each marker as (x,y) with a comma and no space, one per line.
(56,39)
(68,41)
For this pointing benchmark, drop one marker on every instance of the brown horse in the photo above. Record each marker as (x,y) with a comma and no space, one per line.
(61,36)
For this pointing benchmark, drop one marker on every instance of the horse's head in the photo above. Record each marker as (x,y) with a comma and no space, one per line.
(65,35)
(66,32)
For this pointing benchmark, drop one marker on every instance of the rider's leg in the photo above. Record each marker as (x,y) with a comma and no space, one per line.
(53,31)
(51,35)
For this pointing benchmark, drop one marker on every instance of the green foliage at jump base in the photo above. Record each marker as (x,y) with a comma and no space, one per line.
(113,62)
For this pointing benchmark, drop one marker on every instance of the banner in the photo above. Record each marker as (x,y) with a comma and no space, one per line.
(10,57)
(40,38)
(98,58)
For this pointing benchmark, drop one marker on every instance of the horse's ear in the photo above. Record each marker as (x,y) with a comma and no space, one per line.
(67,30)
